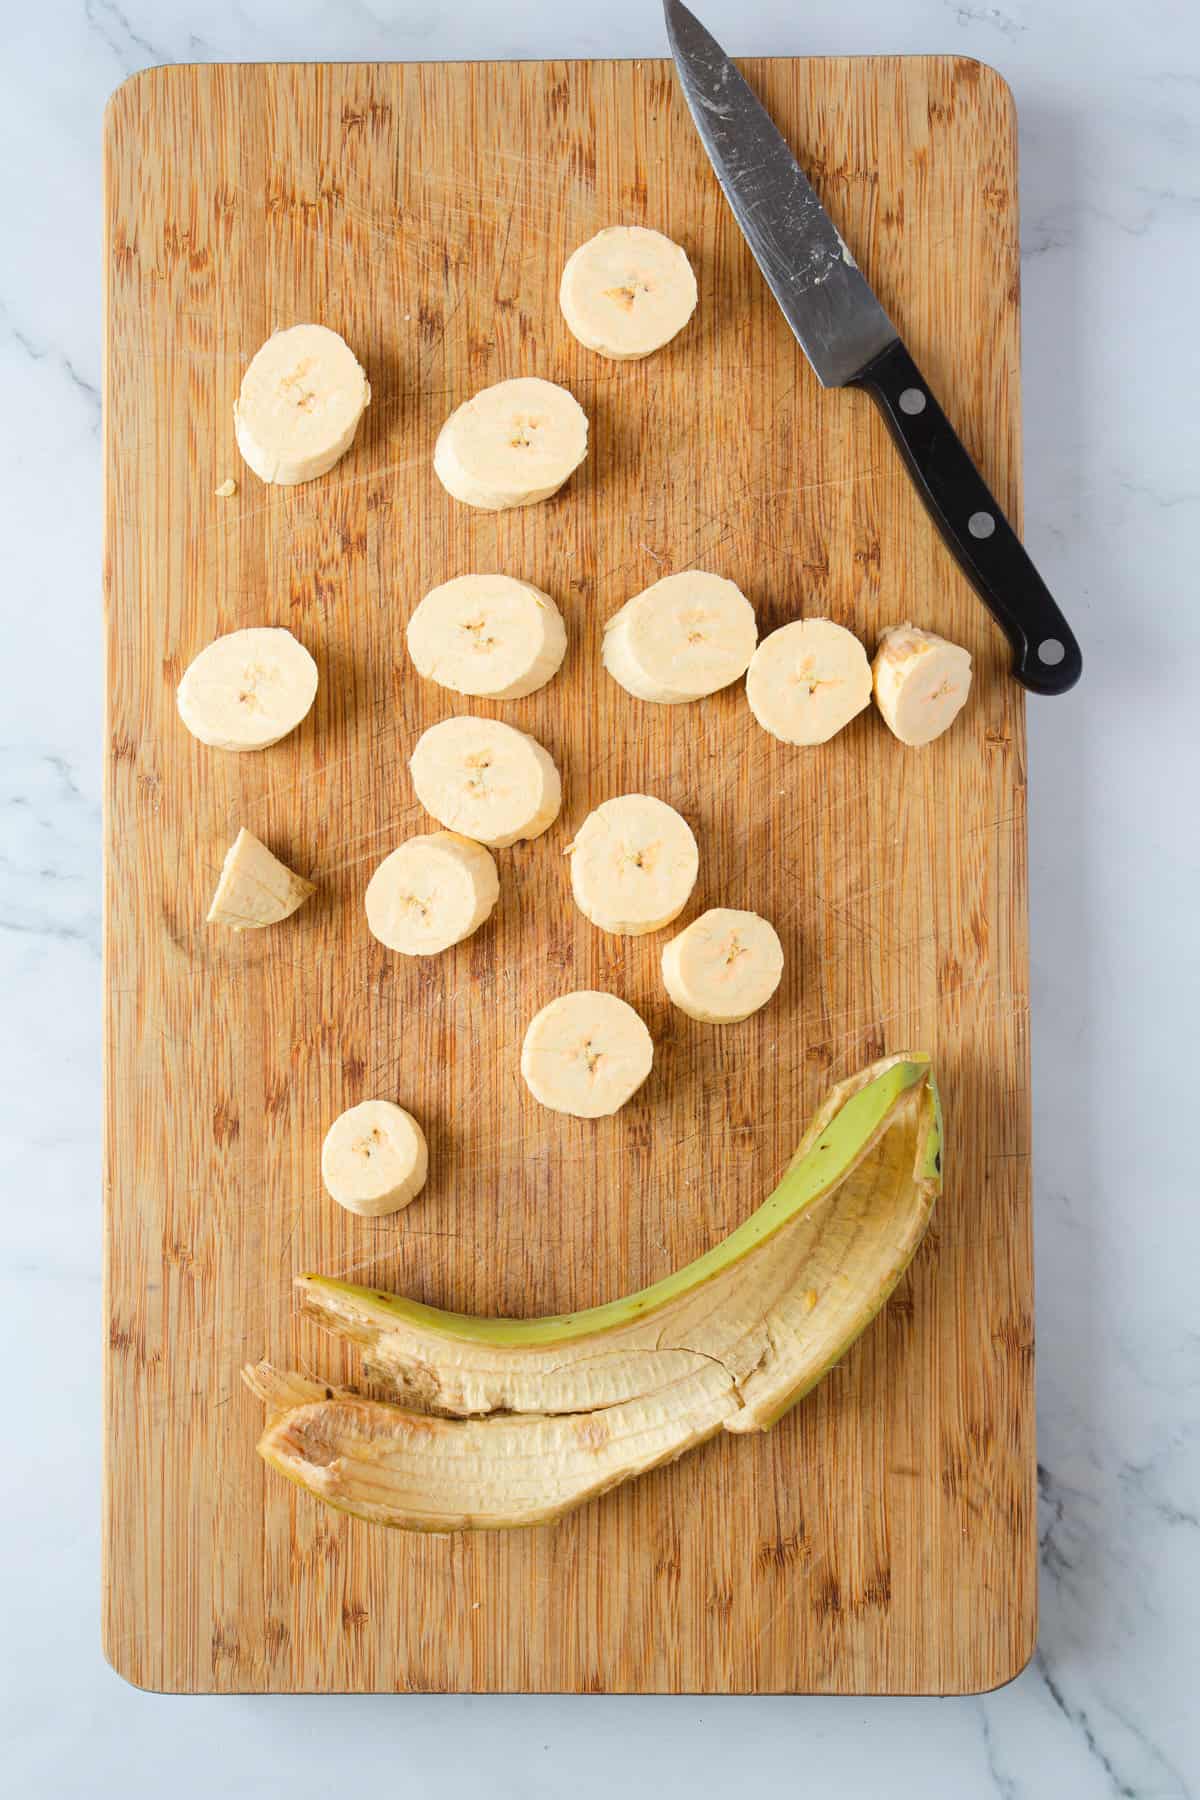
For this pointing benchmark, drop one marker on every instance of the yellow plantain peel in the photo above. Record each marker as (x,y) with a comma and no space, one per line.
(505,1422)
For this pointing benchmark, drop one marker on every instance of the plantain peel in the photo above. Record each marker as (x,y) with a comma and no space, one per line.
(504,1422)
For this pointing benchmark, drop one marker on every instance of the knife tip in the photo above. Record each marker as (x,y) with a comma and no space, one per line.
(688,38)
(674,12)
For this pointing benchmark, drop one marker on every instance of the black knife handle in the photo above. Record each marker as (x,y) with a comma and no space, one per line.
(1046,656)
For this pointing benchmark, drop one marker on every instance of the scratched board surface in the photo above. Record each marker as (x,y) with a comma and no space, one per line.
(882,1537)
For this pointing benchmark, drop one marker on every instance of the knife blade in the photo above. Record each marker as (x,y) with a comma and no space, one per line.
(850,341)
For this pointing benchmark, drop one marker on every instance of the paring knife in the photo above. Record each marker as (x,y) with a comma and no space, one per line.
(851,342)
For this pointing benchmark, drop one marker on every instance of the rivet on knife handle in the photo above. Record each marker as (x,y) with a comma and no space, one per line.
(1046,656)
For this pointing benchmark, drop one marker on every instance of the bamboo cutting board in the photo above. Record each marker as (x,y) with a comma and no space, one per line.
(882,1538)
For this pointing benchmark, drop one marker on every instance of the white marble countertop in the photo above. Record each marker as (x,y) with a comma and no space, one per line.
(1109,102)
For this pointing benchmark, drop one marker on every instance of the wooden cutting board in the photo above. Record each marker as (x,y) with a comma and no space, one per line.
(882,1538)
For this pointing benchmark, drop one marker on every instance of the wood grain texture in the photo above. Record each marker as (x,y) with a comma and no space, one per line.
(882,1538)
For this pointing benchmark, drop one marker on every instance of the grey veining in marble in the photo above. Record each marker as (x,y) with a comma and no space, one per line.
(1109,101)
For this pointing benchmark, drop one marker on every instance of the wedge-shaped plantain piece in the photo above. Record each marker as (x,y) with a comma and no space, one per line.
(588,1399)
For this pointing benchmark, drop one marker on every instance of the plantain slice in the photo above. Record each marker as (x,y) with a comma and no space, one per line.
(513,1422)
